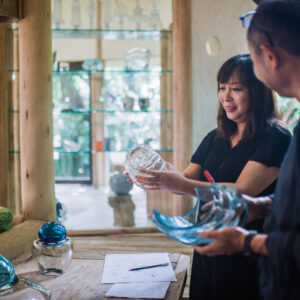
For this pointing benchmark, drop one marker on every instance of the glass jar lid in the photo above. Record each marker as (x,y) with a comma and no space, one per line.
(52,233)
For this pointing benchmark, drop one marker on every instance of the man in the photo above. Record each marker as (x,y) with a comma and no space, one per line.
(274,45)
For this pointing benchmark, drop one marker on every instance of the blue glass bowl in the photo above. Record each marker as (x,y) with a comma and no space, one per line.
(15,287)
(216,207)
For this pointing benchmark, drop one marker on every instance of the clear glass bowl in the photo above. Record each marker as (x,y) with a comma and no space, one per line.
(216,207)
(143,157)
(137,59)
(14,287)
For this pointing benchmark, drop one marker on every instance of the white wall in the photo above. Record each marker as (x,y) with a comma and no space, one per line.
(221,19)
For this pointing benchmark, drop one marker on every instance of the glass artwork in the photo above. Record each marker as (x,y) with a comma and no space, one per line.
(15,287)
(143,157)
(91,11)
(154,20)
(137,59)
(93,65)
(53,250)
(120,12)
(119,184)
(216,207)
(76,14)
(106,19)
(57,19)
(138,16)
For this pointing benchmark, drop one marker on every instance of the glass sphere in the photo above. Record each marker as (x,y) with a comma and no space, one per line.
(14,287)
(53,250)
(143,157)
(119,184)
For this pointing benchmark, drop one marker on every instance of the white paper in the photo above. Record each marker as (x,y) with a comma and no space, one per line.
(153,290)
(116,268)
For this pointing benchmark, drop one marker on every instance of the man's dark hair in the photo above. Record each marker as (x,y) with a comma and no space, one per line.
(262,109)
(281,20)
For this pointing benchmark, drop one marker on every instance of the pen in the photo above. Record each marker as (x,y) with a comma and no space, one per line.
(208,176)
(148,267)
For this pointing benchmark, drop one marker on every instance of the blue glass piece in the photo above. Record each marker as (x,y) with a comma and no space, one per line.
(216,207)
(7,273)
(92,64)
(52,232)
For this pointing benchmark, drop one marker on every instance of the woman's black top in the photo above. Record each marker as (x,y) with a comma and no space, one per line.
(235,276)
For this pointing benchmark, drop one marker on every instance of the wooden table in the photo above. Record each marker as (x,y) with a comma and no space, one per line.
(83,277)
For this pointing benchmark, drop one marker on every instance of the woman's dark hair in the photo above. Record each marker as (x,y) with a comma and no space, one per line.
(262,108)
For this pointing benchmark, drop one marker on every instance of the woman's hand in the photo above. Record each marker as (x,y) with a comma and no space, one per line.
(228,240)
(171,180)
(257,207)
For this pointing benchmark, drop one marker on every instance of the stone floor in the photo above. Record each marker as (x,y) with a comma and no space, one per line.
(94,209)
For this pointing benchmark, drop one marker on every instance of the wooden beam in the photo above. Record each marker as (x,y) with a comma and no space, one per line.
(182,92)
(36,132)
(3,120)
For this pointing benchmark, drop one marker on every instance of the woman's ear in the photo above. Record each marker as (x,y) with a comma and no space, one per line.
(270,56)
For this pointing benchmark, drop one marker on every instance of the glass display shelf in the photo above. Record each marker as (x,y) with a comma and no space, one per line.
(88,111)
(102,151)
(91,151)
(107,34)
(72,72)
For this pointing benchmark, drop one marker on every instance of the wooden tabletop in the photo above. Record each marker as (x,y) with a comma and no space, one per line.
(82,279)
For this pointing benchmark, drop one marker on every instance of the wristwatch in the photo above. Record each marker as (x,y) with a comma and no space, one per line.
(247,249)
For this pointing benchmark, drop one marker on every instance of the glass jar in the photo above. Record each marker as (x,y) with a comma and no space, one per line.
(143,157)
(53,250)
(14,287)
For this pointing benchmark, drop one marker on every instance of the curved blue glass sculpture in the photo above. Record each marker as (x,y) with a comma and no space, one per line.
(216,207)
(14,287)
(52,232)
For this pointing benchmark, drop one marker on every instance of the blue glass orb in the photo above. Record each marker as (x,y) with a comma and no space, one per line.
(52,232)
(119,184)
(7,272)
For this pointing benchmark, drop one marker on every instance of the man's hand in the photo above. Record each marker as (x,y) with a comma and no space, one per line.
(228,240)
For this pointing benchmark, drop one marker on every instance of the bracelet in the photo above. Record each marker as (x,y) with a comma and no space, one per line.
(247,248)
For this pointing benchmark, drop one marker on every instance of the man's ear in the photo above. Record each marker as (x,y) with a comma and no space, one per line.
(270,56)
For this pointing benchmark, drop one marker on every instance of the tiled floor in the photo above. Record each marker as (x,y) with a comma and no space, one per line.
(92,209)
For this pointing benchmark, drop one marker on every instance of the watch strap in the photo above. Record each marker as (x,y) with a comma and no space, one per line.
(247,248)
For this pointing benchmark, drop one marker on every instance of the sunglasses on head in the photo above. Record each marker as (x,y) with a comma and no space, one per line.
(246,22)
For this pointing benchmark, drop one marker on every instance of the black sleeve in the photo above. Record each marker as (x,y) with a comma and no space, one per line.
(271,146)
(202,151)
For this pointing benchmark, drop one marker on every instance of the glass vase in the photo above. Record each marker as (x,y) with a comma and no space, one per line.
(143,157)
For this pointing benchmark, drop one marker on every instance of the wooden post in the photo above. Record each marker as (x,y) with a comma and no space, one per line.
(14,182)
(99,160)
(182,91)
(37,165)
(3,120)
(162,200)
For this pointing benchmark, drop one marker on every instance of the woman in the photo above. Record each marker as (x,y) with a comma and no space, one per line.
(244,152)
